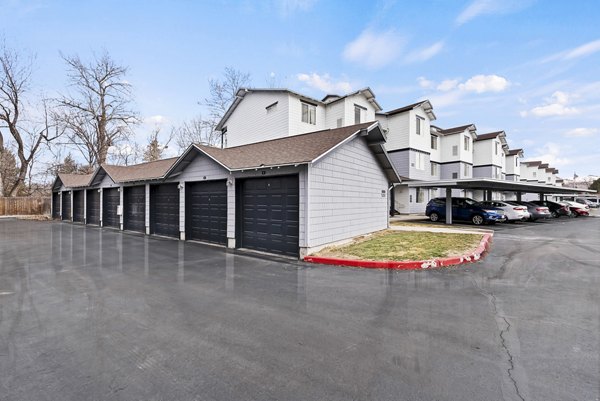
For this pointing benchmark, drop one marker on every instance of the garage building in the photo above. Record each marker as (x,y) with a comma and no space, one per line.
(288,196)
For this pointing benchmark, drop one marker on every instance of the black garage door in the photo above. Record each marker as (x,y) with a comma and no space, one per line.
(56,205)
(66,205)
(110,203)
(93,207)
(206,211)
(269,214)
(78,206)
(134,215)
(164,210)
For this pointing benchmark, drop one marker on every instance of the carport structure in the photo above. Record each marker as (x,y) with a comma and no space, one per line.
(488,185)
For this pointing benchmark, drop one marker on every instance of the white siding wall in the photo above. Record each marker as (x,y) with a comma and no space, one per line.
(366,115)
(511,168)
(345,197)
(333,113)
(422,141)
(398,131)
(250,122)
(296,126)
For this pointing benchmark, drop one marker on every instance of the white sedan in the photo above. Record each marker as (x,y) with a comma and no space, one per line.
(512,212)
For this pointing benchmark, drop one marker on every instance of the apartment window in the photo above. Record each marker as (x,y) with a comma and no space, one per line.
(420,195)
(309,113)
(496,147)
(466,170)
(454,176)
(419,124)
(516,162)
(434,141)
(467,142)
(535,174)
(358,110)
(455,150)
(434,169)
(419,161)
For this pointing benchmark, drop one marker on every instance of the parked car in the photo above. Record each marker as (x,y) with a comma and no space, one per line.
(466,209)
(578,209)
(584,201)
(536,212)
(513,213)
(556,209)
(593,203)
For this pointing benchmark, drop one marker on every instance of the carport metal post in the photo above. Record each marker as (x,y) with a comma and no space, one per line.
(541,196)
(519,196)
(448,205)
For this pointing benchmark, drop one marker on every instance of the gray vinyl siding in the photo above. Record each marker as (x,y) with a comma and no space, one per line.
(348,195)
(483,172)
(414,172)
(401,161)
(446,170)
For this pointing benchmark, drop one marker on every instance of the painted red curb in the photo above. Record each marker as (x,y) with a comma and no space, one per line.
(470,257)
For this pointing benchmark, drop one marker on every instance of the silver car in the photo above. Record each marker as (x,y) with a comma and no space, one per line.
(512,212)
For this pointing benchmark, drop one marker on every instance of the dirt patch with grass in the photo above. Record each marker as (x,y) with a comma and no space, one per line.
(391,245)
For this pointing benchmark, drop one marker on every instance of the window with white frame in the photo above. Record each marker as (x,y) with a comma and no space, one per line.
(419,161)
(454,175)
(419,124)
(496,148)
(455,150)
(420,195)
(434,142)
(309,113)
(516,162)
(466,170)
(535,174)
(358,112)
(467,141)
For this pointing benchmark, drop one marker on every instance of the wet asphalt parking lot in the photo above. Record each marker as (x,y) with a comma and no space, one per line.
(91,314)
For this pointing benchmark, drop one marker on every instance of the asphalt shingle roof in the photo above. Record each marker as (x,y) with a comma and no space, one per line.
(75,180)
(139,172)
(297,149)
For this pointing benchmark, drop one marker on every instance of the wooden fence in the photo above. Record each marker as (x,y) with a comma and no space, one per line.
(24,206)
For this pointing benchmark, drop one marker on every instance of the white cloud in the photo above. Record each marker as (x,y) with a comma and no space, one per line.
(375,49)
(441,100)
(485,83)
(551,153)
(556,105)
(477,84)
(581,132)
(426,53)
(486,7)
(425,83)
(324,83)
(584,50)
(289,7)
(447,84)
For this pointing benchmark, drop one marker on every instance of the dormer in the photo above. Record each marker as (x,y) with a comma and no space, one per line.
(409,126)
(489,152)
(457,143)
(512,164)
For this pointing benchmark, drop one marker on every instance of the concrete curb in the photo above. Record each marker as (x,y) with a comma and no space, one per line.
(470,257)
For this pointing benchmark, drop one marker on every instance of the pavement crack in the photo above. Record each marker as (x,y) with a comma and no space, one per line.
(503,332)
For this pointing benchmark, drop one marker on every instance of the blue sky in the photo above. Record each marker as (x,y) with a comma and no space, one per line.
(531,68)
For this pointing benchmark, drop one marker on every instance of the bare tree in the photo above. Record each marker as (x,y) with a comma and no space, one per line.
(222,93)
(25,132)
(197,130)
(155,149)
(99,113)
